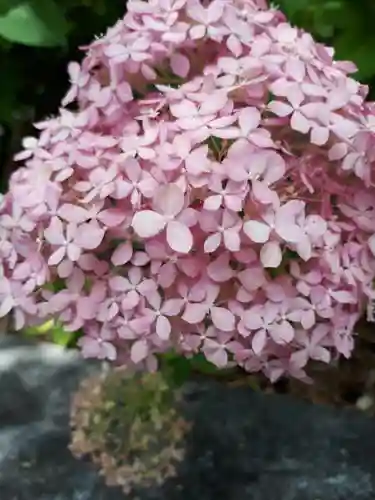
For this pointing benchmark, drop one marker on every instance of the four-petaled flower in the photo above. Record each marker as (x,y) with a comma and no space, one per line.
(169,214)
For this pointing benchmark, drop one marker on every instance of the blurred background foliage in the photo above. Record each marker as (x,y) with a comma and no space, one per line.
(39,37)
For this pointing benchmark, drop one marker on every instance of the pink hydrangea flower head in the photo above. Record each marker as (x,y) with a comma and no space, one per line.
(212,191)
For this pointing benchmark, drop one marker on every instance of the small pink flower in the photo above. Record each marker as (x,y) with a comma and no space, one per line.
(312,346)
(225,227)
(282,223)
(160,312)
(72,241)
(78,78)
(134,287)
(98,343)
(138,183)
(196,311)
(169,201)
(205,18)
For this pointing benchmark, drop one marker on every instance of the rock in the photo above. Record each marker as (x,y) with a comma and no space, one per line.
(242,445)
(18,404)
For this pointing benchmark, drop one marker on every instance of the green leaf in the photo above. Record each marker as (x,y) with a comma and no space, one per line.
(175,367)
(61,337)
(291,7)
(42,329)
(38,23)
(360,51)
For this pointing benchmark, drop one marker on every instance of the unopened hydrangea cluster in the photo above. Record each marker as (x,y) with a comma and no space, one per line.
(206,187)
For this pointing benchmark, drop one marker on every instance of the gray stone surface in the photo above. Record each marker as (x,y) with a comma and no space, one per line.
(243,446)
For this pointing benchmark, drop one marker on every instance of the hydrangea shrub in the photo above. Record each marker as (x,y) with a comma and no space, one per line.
(207,186)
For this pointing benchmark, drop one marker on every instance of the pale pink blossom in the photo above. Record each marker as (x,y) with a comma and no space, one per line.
(223,228)
(98,343)
(169,203)
(133,287)
(314,345)
(210,191)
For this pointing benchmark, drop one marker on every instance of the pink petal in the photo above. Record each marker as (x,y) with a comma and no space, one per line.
(337,151)
(73,252)
(232,240)
(217,356)
(212,243)
(253,319)
(73,213)
(212,202)
(124,92)
(6,306)
(122,254)
(289,232)
(308,319)
(371,243)
(119,284)
(86,308)
(257,231)
(194,313)
(197,31)
(140,259)
(147,286)
(109,351)
(319,135)
(180,65)
(296,68)
(249,119)
(223,319)
(148,223)
(213,103)
(299,123)
(279,108)
(139,351)
(167,275)
(271,255)
(54,233)
(112,217)
(163,328)
(321,354)
(219,270)
(130,301)
(252,278)
(304,249)
(90,347)
(183,109)
(282,333)
(300,358)
(89,236)
(169,200)
(179,237)
(258,342)
(344,297)
(172,307)
(65,268)
(56,257)
(263,193)
(315,225)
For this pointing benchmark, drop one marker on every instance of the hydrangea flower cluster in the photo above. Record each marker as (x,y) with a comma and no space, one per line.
(207,186)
